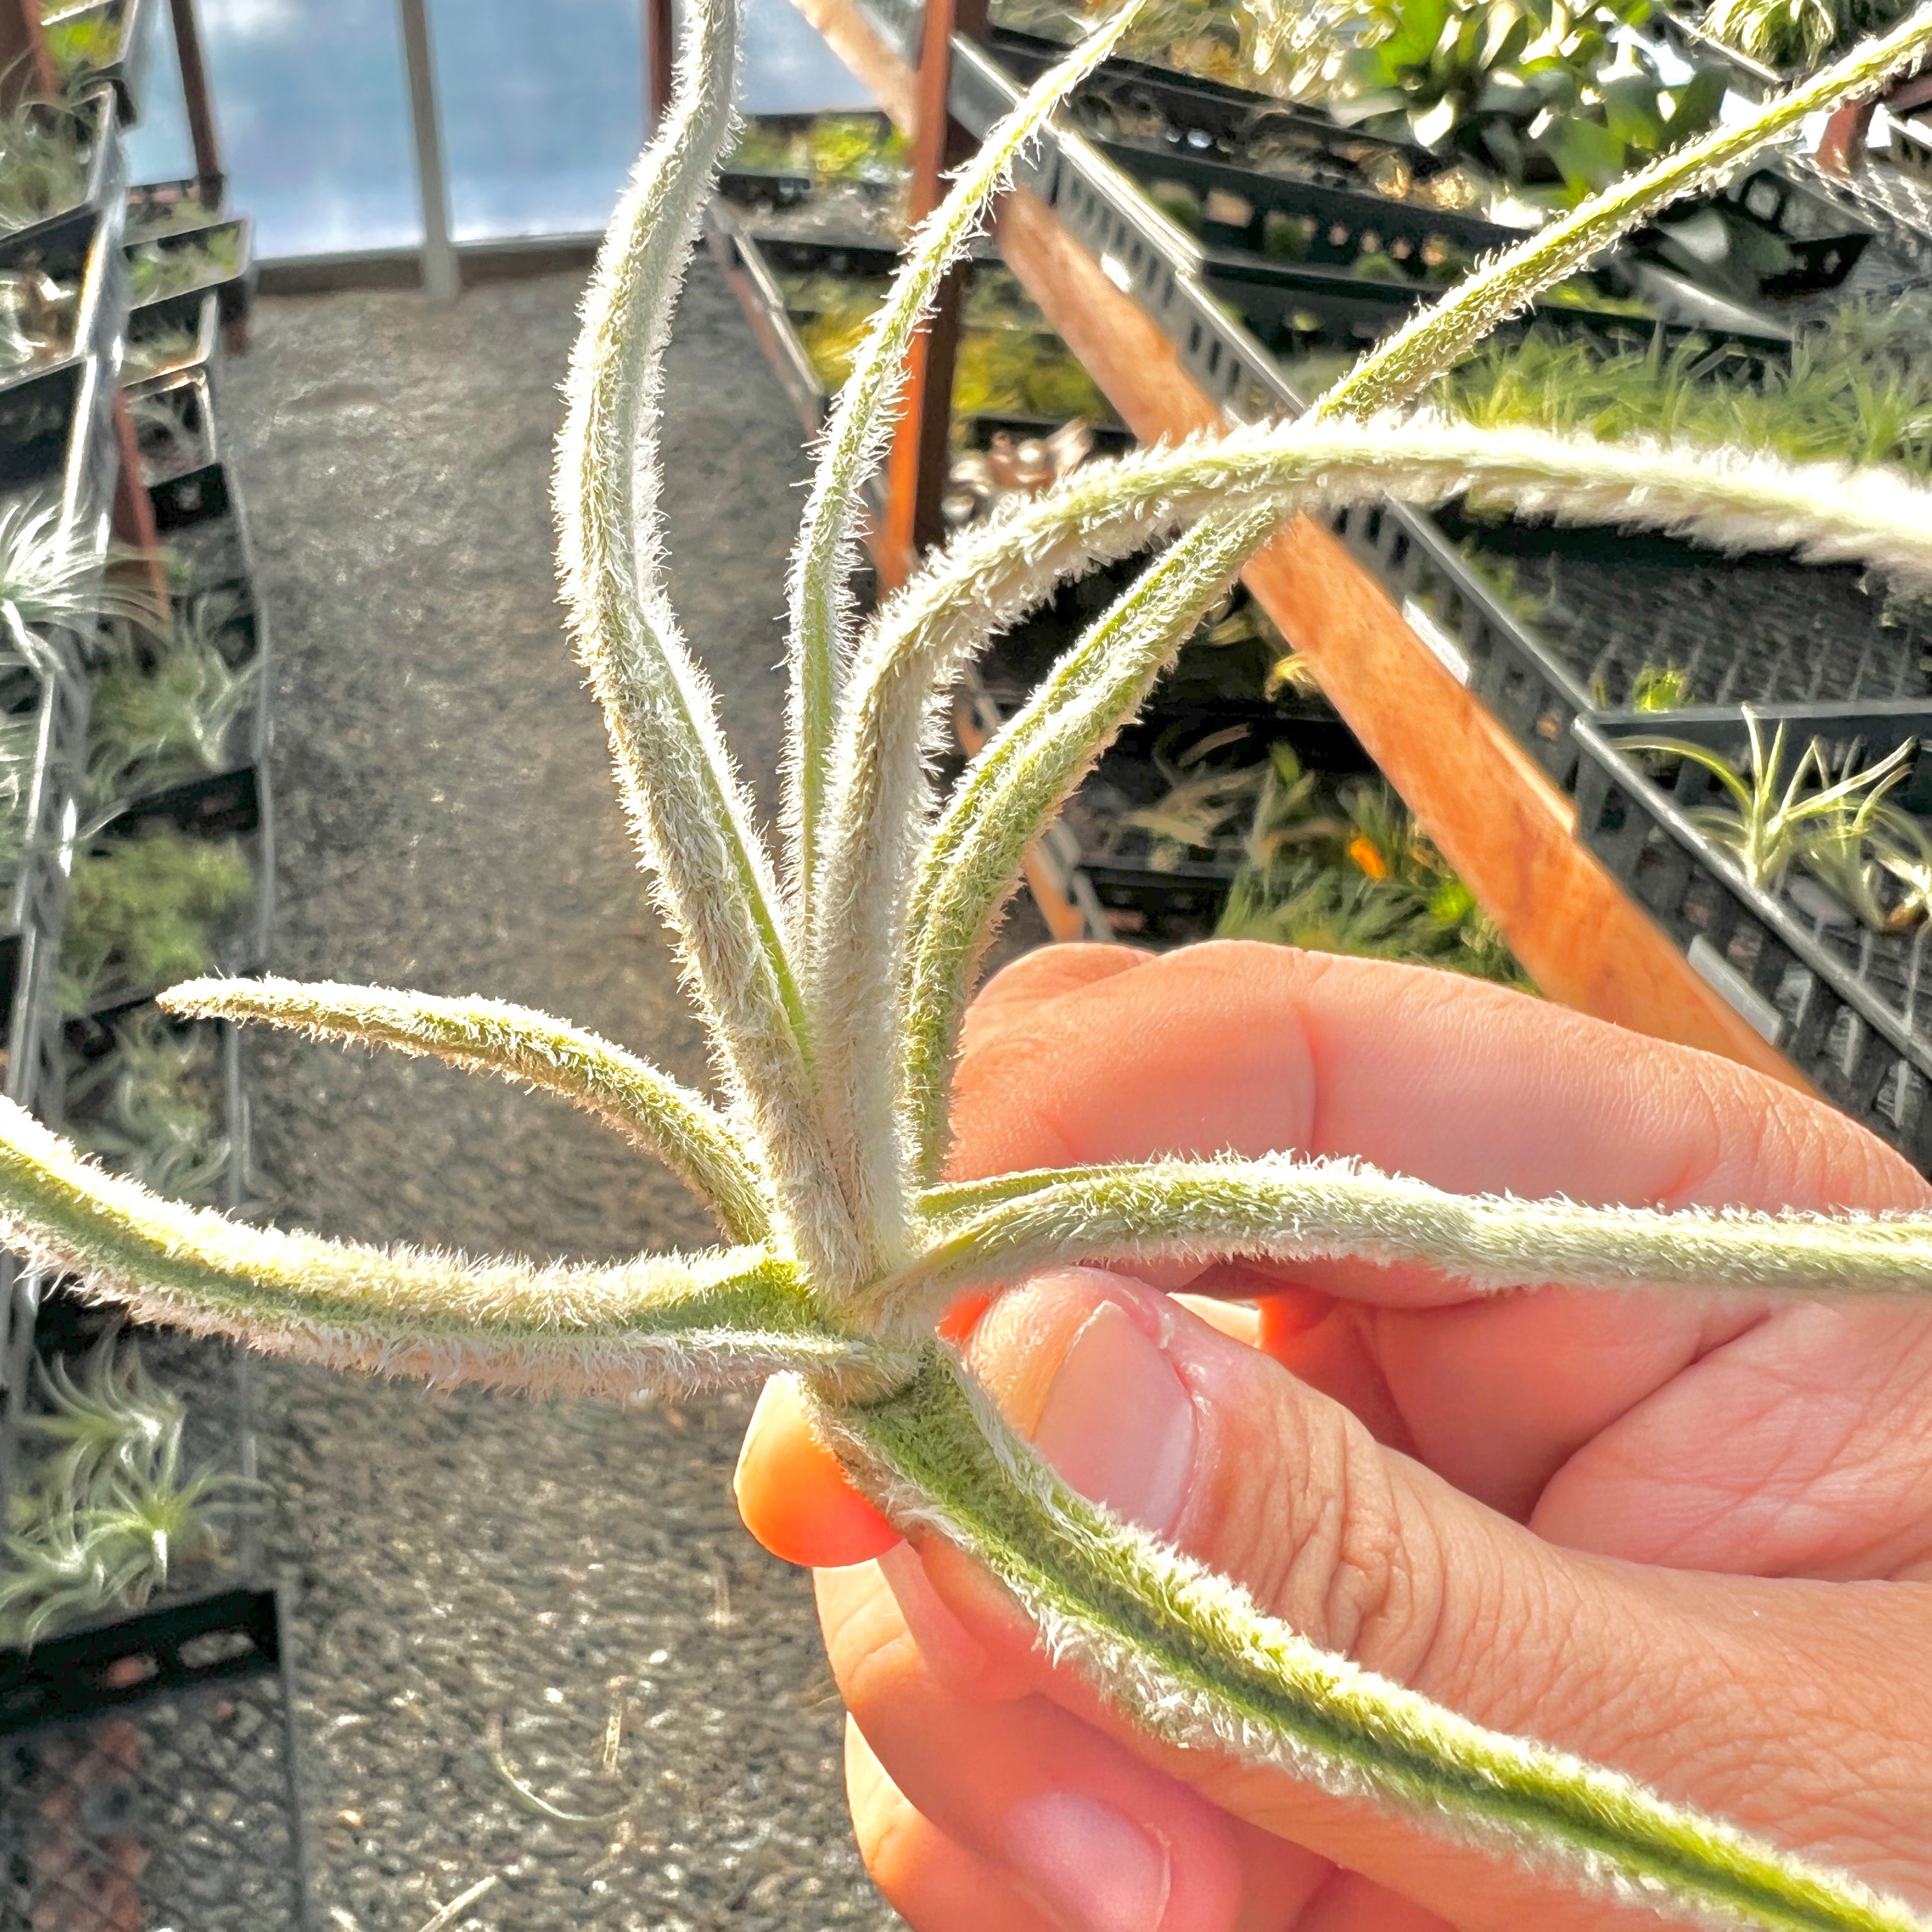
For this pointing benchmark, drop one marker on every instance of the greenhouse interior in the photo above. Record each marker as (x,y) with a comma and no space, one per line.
(1315,617)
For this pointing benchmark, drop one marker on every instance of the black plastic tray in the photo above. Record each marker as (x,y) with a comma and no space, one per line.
(236,287)
(1851,1008)
(158,320)
(149,1772)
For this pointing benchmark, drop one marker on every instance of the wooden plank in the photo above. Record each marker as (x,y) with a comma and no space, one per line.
(1497,816)
(870,56)
(917,472)
(199,98)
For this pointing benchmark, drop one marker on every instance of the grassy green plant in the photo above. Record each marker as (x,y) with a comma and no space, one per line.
(1857,388)
(169,711)
(144,911)
(45,153)
(831,977)
(1344,868)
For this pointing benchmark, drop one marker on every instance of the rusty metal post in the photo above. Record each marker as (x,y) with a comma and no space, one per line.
(26,68)
(660,46)
(200,100)
(917,471)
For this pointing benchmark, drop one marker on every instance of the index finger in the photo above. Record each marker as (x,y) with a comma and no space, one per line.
(1249,1048)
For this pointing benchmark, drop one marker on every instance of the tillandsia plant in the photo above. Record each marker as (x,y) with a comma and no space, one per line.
(113,1513)
(45,154)
(832,978)
(1797,34)
(1769,817)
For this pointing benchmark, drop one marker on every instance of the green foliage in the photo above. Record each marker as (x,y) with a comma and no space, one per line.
(144,911)
(1798,34)
(1525,89)
(45,153)
(86,43)
(1344,868)
(157,269)
(153,1107)
(112,1515)
(1008,364)
(168,711)
(1859,388)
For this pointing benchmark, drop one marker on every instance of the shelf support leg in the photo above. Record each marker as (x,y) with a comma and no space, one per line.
(442,279)
(917,470)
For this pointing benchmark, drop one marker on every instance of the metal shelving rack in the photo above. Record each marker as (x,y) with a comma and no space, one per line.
(129,1792)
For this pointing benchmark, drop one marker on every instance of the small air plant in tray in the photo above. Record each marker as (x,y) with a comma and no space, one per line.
(102,42)
(1788,848)
(111,1509)
(178,263)
(60,171)
(161,347)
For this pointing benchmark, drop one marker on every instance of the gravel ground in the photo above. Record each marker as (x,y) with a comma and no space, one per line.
(446,820)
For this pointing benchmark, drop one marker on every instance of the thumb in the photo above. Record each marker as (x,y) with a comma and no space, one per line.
(1712,1689)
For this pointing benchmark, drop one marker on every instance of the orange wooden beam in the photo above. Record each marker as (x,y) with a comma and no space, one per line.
(1497,816)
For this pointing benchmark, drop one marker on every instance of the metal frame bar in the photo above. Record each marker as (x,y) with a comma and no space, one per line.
(442,277)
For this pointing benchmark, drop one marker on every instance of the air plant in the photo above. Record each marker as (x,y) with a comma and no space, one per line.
(19,741)
(164,352)
(833,1001)
(112,1514)
(37,319)
(112,1417)
(146,909)
(45,155)
(1797,34)
(1203,802)
(1767,818)
(151,1108)
(171,442)
(51,580)
(168,712)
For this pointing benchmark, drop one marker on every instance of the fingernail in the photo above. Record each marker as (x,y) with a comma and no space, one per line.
(1118,1423)
(1094,1870)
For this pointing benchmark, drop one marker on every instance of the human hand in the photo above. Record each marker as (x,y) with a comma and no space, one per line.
(1689,1537)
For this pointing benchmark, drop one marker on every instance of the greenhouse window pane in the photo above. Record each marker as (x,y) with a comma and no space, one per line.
(542,105)
(314,117)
